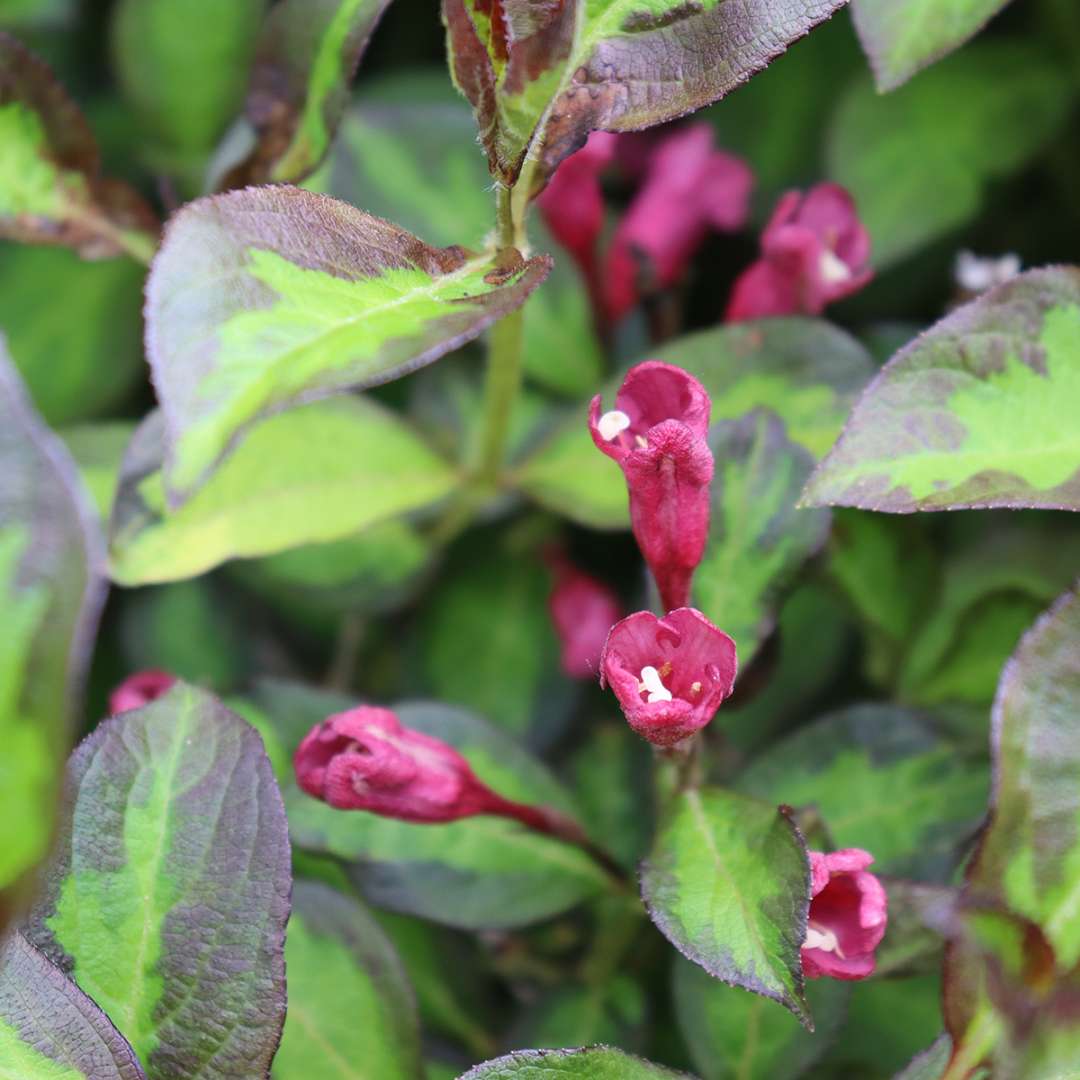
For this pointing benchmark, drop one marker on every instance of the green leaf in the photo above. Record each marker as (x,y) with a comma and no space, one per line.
(184,86)
(1029,857)
(736,1036)
(972,119)
(901,37)
(306,56)
(315,474)
(607,1012)
(931,1063)
(263,298)
(978,412)
(727,883)
(415,163)
(87,362)
(51,592)
(478,873)
(51,190)
(882,780)
(169,890)
(588,1063)
(49,1029)
(351,1012)
(98,450)
(488,642)
(758,540)
(541,77)
(804,370)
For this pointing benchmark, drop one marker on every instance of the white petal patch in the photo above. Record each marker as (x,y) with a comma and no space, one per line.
(822,939)
(832,268)
(612,424)
(650,683)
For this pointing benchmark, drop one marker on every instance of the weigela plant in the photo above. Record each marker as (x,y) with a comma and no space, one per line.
(473,602)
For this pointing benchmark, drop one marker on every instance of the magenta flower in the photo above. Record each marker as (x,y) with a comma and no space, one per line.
(671,674)
(656,433)
(848,912)
(139,689)
(814,250)
(686,188)
(689,188)
(583,610)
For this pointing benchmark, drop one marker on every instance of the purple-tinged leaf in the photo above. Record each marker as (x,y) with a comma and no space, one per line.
(901,37)
(51,591)
(306,56)
(268,297)
(728,884)
(541,76)
(169,890)
(51,190)
(931,1063)
(587,1063)
(980,411)
(49,1029)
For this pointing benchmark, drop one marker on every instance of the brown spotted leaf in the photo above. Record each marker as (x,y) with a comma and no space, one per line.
(550,71)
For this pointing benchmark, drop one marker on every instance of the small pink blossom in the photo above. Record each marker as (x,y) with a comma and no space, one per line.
(814,250)
(671,674)
(139,689)
(848,913)
(656,433)
(583,610)
(690,187)
(685,188)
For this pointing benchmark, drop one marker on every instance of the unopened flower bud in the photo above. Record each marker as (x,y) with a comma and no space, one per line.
(139,689)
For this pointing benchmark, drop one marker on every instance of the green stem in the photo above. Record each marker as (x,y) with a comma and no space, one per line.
(140,246)
(980,1038)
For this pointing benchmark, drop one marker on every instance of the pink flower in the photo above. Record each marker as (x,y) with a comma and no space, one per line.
(583,610)
(139,689)
(689,188)
(656,433)
(686,187)
(848,912)
(814,250)
(671,674)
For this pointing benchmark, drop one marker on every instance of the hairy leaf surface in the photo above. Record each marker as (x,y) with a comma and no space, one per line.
(269,297)
(980,411)
(588,1063)
(728,884)
(169,890)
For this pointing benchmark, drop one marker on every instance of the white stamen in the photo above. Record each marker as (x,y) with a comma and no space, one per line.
(650,682)
(612,424)
(832,268)
(822,939)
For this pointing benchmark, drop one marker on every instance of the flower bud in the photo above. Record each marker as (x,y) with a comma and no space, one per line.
(848,913)
(656,433)
(583,610)
(139,689)
(671,674)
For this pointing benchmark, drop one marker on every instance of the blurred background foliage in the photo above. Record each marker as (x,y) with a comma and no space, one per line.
(913,616)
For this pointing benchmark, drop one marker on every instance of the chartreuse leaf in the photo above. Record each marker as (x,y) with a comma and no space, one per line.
(169,889)
(758,540)
(351,1012)
(727,883)
(49,1029)
(804,370)
(844,764)
(546,75)
(50,188)
(306,55)
(975,117)
(588,1063)
(732,1035)
(903,36)
(978,412)
(50,594)
(98,450)
(478,873)
(263,298)
(414,162)
(185,87)
(84,364)
(315,474)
